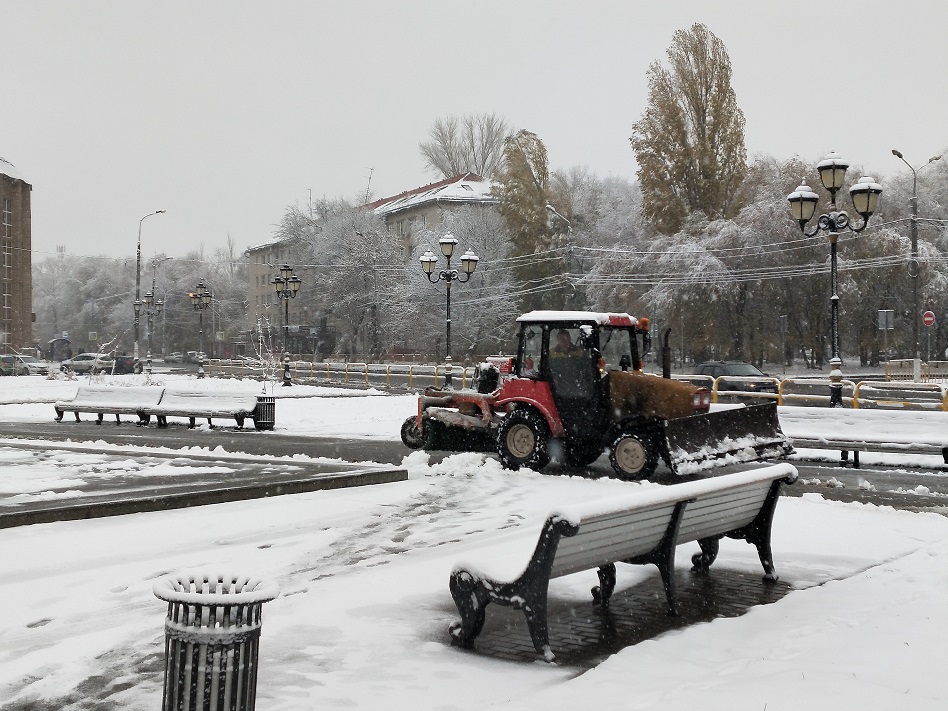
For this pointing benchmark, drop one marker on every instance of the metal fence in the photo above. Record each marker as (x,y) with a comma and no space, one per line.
(808,392)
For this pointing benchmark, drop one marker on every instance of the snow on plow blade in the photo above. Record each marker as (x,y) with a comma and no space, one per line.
(741,434)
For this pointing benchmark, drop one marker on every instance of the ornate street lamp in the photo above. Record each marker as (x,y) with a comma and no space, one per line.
(865,196)
(153,307)
(287,286)
(138,279)
(200,300)
(913,263)
(468,266)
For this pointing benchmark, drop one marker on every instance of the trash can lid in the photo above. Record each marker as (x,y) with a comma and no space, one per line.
(200,588)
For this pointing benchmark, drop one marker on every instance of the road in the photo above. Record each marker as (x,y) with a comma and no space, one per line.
(905,488)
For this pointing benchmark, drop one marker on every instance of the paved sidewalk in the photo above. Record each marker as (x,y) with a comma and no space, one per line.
(582,635)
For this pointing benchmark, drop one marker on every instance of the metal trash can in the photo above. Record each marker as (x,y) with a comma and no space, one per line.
(264,417)
(212,634)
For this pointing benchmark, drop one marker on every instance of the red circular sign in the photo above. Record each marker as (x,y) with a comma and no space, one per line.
(928,318)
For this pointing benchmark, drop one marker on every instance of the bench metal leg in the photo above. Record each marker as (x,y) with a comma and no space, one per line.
(702,562)
(758,531)
(664,557)
(98,418)
(77,415)
(472,593)
(607,584)
(59,415)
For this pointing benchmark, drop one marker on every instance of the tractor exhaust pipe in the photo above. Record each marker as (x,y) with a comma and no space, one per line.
(666,356)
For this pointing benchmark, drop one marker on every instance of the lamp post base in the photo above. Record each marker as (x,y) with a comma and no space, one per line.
(836,383)
(287,382)
(448,374)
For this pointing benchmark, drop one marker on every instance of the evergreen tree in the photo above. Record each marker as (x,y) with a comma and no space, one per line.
(689,145)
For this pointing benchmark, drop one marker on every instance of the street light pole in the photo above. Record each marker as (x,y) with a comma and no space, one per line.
(138,279)
(286,285)
(865,196)
(200,300)
(913,262)
(468,266)
(150,301)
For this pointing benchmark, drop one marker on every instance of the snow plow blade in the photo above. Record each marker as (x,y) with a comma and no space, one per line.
(741,434)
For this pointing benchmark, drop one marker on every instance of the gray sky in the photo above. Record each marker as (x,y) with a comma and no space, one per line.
(225,113)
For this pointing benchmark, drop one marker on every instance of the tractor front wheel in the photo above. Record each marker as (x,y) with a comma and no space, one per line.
(411,433)
(522,440)
(633,456)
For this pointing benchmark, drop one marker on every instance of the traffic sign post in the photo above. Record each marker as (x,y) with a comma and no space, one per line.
(928,318)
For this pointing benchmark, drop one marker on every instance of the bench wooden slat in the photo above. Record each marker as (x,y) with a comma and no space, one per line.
(608,541)
(706,516)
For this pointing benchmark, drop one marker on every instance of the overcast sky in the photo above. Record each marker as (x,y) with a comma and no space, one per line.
(225,113)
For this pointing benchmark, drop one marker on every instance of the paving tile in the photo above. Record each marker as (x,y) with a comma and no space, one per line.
(583,635)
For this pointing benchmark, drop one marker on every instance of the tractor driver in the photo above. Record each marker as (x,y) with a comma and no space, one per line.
(564,344)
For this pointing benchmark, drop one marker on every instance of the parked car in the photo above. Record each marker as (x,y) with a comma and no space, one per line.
(125,364)
(746,376)
(88,363)
(176,357)
(23,365)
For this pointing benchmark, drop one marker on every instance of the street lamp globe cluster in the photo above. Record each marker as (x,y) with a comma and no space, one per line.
(153,307)
(200,300)
(429,262)
(865,198)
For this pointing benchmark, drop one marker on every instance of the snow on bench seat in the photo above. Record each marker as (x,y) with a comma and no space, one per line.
(194,404)
(102,400)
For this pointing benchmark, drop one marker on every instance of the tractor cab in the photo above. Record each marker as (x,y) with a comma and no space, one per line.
(570,352)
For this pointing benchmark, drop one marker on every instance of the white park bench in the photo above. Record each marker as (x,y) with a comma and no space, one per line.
(642,527)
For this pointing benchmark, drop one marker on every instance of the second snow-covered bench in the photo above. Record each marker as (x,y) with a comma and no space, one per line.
(194,404)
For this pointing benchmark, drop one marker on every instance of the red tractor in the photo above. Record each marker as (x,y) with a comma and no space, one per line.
(575,389)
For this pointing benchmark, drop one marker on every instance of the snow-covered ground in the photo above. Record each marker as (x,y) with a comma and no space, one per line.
(363,616)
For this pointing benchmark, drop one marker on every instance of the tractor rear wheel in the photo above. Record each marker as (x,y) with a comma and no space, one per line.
(633,456)
(522,440)
(411,433)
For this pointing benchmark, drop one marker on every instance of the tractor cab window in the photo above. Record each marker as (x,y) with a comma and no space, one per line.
(532,349)
(615,343)
(572,369)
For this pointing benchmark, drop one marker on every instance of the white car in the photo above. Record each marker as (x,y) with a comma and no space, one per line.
(88,363)
(23,365)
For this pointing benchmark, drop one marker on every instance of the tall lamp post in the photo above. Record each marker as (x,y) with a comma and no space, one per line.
(913,263)
(468,266)
(287,286)
(200,300)
(865,196)
(138,278)
(153,307)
